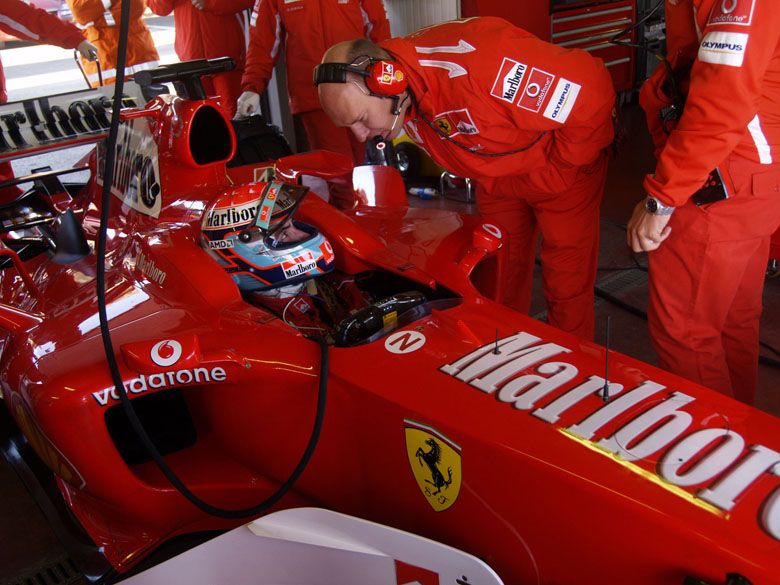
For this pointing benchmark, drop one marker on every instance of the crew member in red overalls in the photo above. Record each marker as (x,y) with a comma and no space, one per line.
(207,29)
(529,120)
(33,24)
(305,29)
(707,262)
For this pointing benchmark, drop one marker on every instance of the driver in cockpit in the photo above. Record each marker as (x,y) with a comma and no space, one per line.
(275,260)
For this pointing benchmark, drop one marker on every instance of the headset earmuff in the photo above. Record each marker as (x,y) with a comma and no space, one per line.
(386,78)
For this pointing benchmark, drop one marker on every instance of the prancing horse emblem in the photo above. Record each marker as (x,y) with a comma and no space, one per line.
(432,459)
(435,462)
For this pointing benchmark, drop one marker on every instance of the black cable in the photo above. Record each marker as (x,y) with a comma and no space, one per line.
(466,147)
(106,333)
(631,27)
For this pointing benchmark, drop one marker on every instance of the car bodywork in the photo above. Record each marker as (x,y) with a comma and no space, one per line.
(464,422)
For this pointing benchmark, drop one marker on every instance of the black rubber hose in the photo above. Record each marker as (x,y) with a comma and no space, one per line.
(109,347)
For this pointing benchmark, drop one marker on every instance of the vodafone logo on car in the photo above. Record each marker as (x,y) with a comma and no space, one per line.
(166,353)
(163,363)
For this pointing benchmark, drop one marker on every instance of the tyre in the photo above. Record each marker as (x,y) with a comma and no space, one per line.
(408,158)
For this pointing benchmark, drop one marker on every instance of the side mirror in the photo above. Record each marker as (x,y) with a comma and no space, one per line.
(487,241)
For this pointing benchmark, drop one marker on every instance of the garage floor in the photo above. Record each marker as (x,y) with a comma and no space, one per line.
(30,553)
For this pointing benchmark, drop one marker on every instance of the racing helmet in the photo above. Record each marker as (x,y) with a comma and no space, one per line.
(244,230)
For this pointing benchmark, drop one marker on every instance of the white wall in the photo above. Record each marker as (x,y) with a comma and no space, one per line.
(406,16)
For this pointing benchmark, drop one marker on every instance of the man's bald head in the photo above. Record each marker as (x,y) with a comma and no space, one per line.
(350,104)
(351,51)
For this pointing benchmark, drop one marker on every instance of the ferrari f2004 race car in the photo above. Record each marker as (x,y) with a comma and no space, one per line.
(376,357)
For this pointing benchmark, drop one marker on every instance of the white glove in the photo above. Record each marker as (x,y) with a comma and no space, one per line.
(88,50)
(247,105)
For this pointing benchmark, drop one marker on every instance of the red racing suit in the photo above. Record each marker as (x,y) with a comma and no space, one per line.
(219,30)
(27,22)
(102,31)
(538,118)
(305,29)
(706,279)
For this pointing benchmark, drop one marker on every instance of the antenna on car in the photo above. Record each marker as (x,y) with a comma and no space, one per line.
(496,351)
(605,390)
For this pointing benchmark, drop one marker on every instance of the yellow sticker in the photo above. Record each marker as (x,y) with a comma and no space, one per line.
(436,464)
(390,319)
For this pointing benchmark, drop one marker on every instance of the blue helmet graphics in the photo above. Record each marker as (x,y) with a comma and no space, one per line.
(251,233)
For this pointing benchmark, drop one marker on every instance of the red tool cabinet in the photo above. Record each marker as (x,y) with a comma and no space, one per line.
(585,25)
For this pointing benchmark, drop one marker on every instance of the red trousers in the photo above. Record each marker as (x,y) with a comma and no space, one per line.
(227,86)
(707,278)
(564,206)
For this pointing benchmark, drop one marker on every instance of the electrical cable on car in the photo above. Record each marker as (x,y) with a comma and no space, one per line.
(136,424)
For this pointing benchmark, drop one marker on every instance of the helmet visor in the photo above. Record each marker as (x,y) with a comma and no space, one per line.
(278,203)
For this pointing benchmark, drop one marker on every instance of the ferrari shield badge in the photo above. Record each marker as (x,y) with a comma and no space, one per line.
(435,462)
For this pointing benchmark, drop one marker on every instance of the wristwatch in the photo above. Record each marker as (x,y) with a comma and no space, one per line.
(654,207)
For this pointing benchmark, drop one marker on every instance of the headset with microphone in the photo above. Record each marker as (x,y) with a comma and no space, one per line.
(386,78)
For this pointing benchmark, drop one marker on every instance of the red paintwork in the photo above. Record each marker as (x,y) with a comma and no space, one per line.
(538,502)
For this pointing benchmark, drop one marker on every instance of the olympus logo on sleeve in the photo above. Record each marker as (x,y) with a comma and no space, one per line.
(562,101)
(723,48)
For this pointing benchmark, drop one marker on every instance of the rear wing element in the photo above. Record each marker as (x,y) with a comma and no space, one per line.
(49,123)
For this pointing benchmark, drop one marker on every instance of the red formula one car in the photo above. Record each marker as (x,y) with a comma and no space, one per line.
(369,370)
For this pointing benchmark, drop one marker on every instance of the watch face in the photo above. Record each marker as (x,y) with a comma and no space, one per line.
(651,205)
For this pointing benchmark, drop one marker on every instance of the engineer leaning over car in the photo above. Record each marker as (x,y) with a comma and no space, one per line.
(33,24)
(707,262)
(529,120)
(305,29)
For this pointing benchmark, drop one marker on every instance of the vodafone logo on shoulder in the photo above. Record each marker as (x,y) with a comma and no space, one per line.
(537,88)
(733,12)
